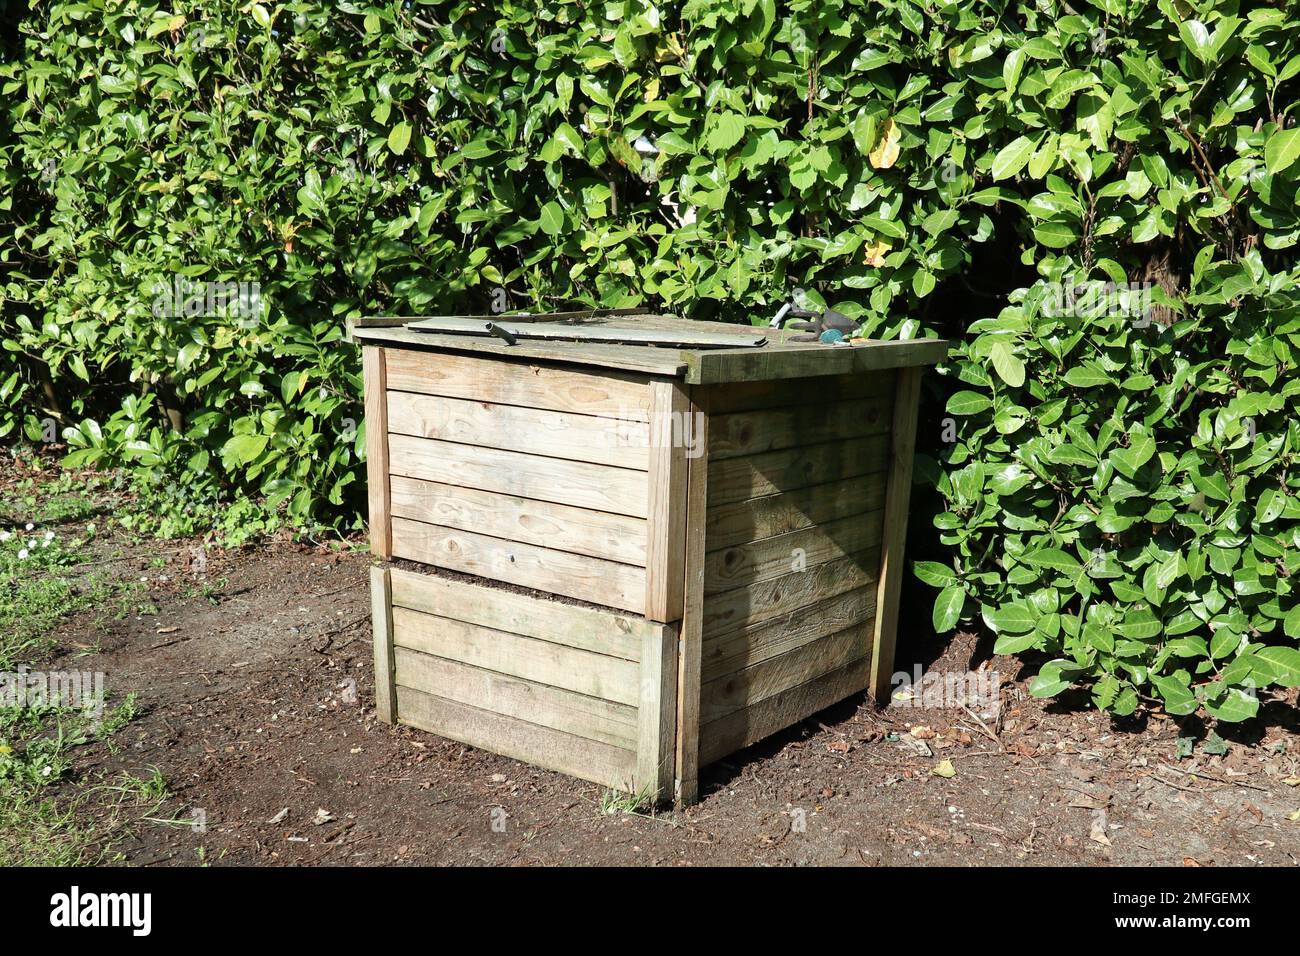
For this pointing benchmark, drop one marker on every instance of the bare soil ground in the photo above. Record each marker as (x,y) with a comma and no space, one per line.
(257,708)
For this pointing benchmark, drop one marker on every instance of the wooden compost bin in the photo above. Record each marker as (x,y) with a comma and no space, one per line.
(625,562)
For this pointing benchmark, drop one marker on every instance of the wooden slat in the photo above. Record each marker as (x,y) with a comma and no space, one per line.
(657,713)
(505,382)
(725,653)
(771,515)
(769,599)
(589,629)
(609,678)
(381,616)
(552,749)
(589,717)
(562,527)
(687,784)
(794,361)
(771,429)
(903,444)
(744,727)
(618,333)
(581,484)
(747,687)
(605,441)
(527,565)
(373,366)
(738,479)
(666,524)
(744,565)
(824,390)
(650,361)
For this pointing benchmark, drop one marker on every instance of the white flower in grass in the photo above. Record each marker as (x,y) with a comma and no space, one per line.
(49,536)
(5,536)
(30,526)
(22,554)
(31,544)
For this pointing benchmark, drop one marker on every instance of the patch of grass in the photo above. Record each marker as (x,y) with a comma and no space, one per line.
(37,745)
(40,830)
(614,802)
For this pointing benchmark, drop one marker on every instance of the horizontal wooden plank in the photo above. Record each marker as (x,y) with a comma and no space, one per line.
(760,602)
(770,515)
(793,426)
(557,665)
(743,565)
(511,737)
(589,629)
(578,483)
(577,714)
(627,332)
(733,650)
(505,382)
(534,431)
(795,361)
(737,479)
(751,724)
(758,682)
(825,390)
(527,565)
(649,361)
(598,534)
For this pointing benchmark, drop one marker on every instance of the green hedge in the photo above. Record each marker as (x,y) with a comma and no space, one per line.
(1096,201)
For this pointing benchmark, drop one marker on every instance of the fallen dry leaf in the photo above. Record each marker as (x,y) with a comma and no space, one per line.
(886,152)
(322,816)
(279,817)
(944,768)
(1097,833)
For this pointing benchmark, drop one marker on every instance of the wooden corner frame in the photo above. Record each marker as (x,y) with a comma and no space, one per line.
(374,368)
(902,451)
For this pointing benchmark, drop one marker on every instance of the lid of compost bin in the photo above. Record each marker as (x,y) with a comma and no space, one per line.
(631,340)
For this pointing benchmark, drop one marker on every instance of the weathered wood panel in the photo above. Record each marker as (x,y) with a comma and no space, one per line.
(824,390)
(670,434)
(760,602)
(373,366)
(502,381)
(381,617)
(902,451)
(733,650)
(553,749)
(588,629)
(756,683)
(744,565)
(557,665)
(657,714)
(598,534)
(604,441)
(543,569)
(622,491)
(781,472)
(590,717)
(689,648)
(770,515)
(755,432)
(746,726)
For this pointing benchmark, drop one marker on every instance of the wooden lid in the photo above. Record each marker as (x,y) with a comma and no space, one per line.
(775,358)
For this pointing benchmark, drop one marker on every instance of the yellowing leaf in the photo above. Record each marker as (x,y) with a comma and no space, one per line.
(876,254)
(944,768)
(886,152)
(1293,816)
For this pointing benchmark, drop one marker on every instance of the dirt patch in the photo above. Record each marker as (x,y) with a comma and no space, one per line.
(256,685)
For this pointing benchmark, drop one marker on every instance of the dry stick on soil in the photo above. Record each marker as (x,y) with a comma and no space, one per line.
(985,727)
